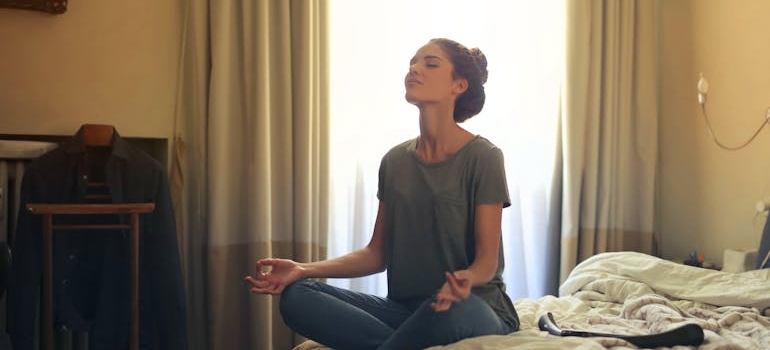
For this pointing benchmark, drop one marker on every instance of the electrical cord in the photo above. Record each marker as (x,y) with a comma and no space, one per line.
(716,140)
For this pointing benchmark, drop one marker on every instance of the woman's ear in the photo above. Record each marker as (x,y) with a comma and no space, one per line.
(459,85)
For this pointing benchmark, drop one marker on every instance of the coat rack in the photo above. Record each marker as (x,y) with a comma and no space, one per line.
(48,211)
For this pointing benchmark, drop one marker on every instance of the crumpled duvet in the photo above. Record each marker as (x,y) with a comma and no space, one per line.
(632,293)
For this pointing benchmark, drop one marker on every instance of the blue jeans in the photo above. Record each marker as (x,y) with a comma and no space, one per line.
(347,320)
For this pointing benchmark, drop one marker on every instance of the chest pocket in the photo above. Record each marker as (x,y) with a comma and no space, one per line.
(452,220)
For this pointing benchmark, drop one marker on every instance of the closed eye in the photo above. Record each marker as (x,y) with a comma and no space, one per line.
(430,61)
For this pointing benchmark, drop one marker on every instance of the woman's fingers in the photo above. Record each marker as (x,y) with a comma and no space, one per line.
(440,307)
(271,276)
(263,287)
(441,303)
(459,283)
(454,284)
(257,282)
(444,301)
(265,266)
(271,289)
(455,289)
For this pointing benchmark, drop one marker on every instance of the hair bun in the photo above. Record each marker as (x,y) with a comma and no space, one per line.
(481,62)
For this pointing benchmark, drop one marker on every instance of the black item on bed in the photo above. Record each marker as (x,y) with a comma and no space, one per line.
(764,247)
(688,334)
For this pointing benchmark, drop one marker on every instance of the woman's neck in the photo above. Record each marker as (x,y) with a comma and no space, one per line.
(440,136)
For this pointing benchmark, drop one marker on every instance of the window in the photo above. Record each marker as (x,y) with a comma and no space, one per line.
(371,45)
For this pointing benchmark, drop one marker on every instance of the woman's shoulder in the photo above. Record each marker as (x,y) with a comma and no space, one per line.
(481,144)
(402,148)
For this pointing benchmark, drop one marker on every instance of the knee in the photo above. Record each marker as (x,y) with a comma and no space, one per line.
(292,297)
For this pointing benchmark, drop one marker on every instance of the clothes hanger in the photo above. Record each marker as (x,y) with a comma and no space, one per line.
(98,135)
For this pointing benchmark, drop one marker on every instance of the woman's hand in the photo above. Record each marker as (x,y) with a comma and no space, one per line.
(456,288)
(273,275)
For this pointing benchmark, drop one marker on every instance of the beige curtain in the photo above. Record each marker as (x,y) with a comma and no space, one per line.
(609,129)
(249,160)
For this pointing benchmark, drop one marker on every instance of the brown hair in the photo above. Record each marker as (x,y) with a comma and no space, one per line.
(469,64)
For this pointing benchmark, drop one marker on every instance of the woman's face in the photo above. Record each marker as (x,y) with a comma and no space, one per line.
(430,77)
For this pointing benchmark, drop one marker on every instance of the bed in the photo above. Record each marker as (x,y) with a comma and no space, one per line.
(636,294)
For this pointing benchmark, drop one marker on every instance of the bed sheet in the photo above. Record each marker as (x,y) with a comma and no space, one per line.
(634,294)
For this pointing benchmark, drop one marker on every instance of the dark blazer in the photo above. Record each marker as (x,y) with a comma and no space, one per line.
(91,276)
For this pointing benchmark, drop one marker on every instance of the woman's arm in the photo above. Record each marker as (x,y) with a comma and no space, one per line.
(365,261)
(488,231)
(273,275)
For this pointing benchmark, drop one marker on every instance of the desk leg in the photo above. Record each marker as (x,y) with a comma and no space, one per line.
(134,328)
(47,314)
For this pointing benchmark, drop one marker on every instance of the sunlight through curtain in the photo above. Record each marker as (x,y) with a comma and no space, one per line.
(371,46)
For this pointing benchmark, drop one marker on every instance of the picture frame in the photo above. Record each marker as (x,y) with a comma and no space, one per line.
(48,6)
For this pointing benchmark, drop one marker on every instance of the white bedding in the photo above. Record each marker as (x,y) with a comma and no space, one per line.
(634,294)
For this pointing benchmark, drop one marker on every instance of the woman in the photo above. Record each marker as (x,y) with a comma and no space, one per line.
(437,231)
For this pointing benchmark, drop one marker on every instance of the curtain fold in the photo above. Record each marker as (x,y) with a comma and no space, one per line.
(310,61)
(249,159)
(609,129)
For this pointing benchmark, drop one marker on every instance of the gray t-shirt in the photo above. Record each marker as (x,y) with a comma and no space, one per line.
(430,219)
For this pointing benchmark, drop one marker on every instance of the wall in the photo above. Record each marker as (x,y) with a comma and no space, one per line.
(116,62)
(707,195)
(110,62)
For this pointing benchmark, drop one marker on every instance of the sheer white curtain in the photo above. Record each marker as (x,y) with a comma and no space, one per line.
(371,44)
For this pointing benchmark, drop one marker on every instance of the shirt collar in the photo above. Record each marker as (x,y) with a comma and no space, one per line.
(119,147)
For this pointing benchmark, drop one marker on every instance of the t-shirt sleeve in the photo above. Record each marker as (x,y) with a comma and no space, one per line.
(381,179)
(492,186)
